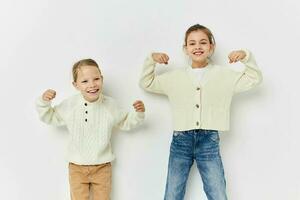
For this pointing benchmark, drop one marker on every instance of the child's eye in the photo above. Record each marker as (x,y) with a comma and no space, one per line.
(192,43)
(97,79)
(84,81)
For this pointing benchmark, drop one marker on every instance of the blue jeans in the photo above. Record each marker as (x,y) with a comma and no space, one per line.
(202,146)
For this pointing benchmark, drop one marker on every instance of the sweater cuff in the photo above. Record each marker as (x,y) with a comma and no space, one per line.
(247,57)
(41,101)
(150,59)
(140,115)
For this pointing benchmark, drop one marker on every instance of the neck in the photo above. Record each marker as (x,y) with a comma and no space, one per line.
(199,64)
(94,100)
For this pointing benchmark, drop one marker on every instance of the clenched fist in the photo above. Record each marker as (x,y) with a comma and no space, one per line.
(139,106)
(160,58)
(49,95)
(236,56)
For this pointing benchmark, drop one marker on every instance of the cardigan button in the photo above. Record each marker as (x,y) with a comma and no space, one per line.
(197,106)
(198,88)
(85,120)
(86,112)
(85,104)
(197,123)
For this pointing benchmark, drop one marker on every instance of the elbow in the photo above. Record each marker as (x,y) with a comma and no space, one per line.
(260,78)
(45,119)
(143,84)
(256,78)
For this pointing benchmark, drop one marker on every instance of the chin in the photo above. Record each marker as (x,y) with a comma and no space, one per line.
(197,60)
(93,98)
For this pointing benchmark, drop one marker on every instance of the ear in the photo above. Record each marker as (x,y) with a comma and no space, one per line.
(185,50)
(75,85)
(101,80)
(212,49)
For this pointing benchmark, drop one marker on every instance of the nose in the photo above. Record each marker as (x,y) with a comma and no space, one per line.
(92,84)
(197,46)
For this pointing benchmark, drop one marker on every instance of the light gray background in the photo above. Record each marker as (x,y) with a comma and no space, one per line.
(40,40)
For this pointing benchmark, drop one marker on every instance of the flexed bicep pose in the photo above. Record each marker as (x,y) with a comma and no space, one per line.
(200,96)
(90,117)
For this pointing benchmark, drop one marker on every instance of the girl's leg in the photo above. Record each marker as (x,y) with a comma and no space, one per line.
(180,162)
(79,183)
(210,165)
(100,177)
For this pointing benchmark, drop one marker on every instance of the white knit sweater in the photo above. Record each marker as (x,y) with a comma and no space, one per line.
(204,105)
(90,126)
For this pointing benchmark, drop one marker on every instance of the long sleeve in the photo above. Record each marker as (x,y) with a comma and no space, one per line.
(149,81)
(129,120)
(250,77)
(48,114)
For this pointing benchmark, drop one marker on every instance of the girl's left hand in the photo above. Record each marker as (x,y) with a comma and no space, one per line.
(236,56)
(139,106)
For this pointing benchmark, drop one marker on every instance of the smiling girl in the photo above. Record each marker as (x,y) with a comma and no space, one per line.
(200,96)
(90,117)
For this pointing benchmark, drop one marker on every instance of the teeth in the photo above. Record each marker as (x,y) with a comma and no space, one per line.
(198,53)
(92,91)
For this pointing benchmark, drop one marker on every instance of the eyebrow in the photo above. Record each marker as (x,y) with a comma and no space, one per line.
(195,40)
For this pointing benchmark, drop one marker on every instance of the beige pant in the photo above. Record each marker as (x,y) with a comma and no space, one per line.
(90,180)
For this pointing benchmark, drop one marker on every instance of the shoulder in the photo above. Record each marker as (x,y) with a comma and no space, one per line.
(73,100)
(109,101)
(173,73)
(111,105)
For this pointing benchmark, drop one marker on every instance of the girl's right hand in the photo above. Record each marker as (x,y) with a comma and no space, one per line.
(160,58)
(49,95)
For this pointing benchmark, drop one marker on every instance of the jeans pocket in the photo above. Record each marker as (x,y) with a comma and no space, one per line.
(213,136)
(177,133)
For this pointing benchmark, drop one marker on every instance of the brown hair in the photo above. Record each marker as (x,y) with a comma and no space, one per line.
(83,62)
(197,27)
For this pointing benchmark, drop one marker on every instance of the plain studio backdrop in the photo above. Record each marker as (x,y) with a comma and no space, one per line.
(41,39)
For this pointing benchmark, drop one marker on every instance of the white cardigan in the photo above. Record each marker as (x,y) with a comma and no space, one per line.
(204,105)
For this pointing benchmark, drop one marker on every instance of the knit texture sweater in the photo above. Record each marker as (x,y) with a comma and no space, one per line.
(90,126)
(204,105)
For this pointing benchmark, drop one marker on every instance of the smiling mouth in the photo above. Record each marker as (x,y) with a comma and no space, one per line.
(198,53)
(93,91)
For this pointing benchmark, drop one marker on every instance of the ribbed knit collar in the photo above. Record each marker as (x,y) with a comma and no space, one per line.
(98,101)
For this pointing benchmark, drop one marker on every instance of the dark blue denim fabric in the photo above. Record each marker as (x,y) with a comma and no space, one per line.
(202,146)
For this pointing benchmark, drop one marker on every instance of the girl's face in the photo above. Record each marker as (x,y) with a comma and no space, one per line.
(198,48)
(89,82)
